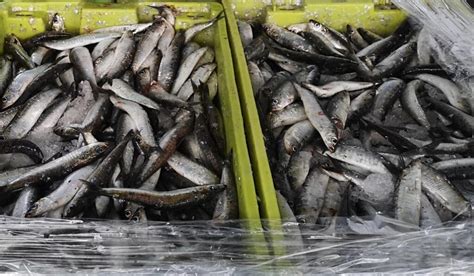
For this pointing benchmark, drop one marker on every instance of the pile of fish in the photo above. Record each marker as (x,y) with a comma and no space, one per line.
(357,125)
(119,123)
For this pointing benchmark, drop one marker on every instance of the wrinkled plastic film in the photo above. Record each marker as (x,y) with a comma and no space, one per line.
(451,26)
(353,245)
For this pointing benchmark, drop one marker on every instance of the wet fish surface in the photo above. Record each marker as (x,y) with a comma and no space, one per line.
(92,125)
(380,126)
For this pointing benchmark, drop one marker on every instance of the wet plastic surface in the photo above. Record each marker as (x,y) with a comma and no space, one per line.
(355,246)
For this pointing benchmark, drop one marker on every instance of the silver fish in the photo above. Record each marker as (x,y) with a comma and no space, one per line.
(408,194)
(318,118)
(79,41)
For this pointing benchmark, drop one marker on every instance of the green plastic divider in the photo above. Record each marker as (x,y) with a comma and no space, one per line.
(262,173)
(378,16)
(25,19)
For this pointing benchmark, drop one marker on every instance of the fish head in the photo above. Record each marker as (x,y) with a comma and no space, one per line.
(318,27)
(331,142)
(7,100)
(350,29)
(57,23)
(13,41)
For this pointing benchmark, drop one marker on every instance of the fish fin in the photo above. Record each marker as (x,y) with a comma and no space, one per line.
(131,135)
(432,145)
(349,44)
(99,90)
(92,186)
(32,211)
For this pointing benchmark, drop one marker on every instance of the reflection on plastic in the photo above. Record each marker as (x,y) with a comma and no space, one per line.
(451,23)
(351,246)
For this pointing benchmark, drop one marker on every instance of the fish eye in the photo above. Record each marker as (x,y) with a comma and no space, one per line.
(128,213)
(135,219)
(4,99)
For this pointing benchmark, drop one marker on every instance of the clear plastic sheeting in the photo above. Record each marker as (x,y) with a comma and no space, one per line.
(354,245)
(60,246)
(451,24)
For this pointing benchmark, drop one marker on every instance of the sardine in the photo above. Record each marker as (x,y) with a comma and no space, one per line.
(24,202)
(297,136)
(298,168)
(191,32)
(20,84)
(408,194)
(6,73)
(338,110)
(395,62)
(385,96)
(147,43)
(27,117)
(125,91)
(164,200)
(14,47)
(170,62)
(84,68)
(369,36)
(291,114)
(332,88)
(460,119)
(437,187)
(358,157)
(101,48)
(449,89)
(135,28)
(246,33)
(140,118)
(22,146)
(311,198)
(186,69)
(192,170)
(282,97)
(79,41)
(356,37)
(288,39)
(410,103)
(227,205)
(56,168)
(62,195)
(318,118)
(123,56)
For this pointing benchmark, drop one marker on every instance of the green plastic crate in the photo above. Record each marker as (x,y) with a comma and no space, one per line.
(378,16)
(27,18)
